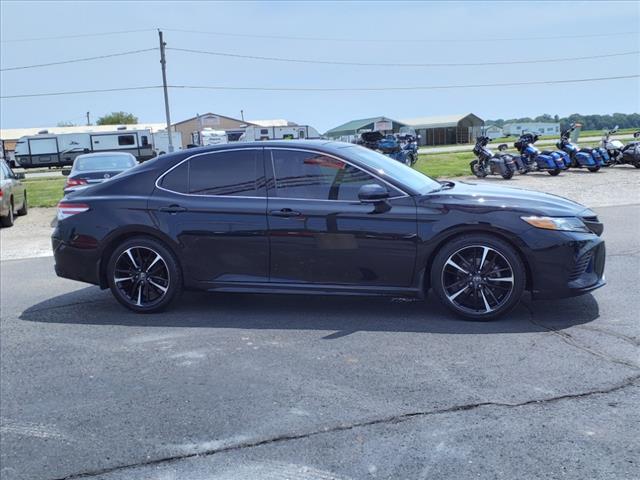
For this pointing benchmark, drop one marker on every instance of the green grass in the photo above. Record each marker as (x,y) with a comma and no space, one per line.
(44,192)
(452,164)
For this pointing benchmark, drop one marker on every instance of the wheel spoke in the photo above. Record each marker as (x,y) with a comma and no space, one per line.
(484,299)
(122,279)
(158,286)
(501,279)
(139,302)
(455,265)
(452,297)
(133,261)
(155,260)
(485,250)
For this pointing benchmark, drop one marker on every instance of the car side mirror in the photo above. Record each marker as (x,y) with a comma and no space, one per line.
(372,193)
(66,172)
(19,175)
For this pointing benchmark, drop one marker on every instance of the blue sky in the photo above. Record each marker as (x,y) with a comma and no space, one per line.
(397,28)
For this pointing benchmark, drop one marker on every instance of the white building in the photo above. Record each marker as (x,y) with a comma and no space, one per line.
(493,132)
(516,129)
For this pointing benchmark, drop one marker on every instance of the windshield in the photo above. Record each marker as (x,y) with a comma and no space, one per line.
(104,162)
(387,167)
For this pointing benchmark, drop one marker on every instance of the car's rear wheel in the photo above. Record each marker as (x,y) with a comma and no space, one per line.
(24,209)
(144,275)
(7,221)
(478,277)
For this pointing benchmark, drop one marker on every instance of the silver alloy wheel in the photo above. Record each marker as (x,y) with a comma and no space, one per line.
(477,279)
(142,276)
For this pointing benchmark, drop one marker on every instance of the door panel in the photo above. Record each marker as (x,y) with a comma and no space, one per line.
(221,229)
(318,240)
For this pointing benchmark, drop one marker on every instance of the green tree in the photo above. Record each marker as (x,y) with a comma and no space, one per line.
(117,118)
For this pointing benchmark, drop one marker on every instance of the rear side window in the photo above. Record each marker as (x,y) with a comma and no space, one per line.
(231,173)
(177,180)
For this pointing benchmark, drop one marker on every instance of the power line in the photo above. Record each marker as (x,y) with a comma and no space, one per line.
(398,40)
(52,94)
(381,89)
(86,59)
(79,35)
(370,64)
(329,89)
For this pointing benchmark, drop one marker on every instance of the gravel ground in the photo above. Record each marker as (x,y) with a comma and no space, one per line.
(29,237)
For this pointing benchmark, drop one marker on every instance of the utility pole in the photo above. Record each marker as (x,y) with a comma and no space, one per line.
(88,119)
(163,63)
(242,115)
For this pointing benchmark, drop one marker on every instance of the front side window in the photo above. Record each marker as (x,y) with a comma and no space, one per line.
(316,176)
(231,173)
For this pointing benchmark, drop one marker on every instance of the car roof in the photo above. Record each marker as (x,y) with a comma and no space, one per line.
(329,146)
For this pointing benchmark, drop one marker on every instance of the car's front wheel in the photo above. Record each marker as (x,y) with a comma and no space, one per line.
(144,275)
(478,276)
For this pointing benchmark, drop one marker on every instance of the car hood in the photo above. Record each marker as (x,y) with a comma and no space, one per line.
(527,201)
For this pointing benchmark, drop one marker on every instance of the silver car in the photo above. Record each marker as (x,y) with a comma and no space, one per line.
(91,168)
(13,195)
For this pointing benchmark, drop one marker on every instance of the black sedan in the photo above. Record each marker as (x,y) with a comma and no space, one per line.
(319,217)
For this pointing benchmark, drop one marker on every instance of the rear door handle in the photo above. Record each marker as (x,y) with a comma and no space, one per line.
(285,212)
(172,209)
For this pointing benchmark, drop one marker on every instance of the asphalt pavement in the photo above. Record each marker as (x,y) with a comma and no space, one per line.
(293,387)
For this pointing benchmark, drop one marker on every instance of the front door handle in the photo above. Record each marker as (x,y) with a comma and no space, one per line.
(172,209)
(285,212)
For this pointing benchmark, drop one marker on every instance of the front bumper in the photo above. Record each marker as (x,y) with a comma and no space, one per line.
(572,266)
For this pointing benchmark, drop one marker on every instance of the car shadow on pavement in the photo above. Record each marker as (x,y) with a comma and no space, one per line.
(341,315)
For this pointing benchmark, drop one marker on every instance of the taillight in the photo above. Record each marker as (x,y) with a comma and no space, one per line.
(66,209)
(74,182)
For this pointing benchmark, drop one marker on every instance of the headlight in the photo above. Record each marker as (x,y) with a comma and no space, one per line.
(565,224)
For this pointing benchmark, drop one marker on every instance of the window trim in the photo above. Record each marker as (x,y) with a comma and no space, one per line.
(273,171)
(159,179)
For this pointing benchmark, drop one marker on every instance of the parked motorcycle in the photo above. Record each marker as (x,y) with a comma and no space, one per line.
(487,163)
(631,152)
(589,158)
(615,149)
(403,151)
(535,160)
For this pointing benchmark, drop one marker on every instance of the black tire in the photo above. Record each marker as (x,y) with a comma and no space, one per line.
(25,208)
(594,169)
(508,175)
(477,171)
(7,221)
(555,172)
(502,276)
(637,165)
(140,274)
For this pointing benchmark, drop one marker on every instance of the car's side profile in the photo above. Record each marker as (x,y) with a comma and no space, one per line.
(13,195)
(319,217)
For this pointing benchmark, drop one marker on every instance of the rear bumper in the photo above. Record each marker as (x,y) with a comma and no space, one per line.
(76,263)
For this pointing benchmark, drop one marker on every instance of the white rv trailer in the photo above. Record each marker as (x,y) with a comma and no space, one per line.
(298,132)
(161,142)
(49,150)
(209,136)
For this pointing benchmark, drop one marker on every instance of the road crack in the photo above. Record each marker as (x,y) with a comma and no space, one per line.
(391,419)
(570,340)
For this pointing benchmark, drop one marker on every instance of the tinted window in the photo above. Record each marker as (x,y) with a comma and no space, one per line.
(103,162)
(177,180)
(318,176)
(126,140)
(231,173)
